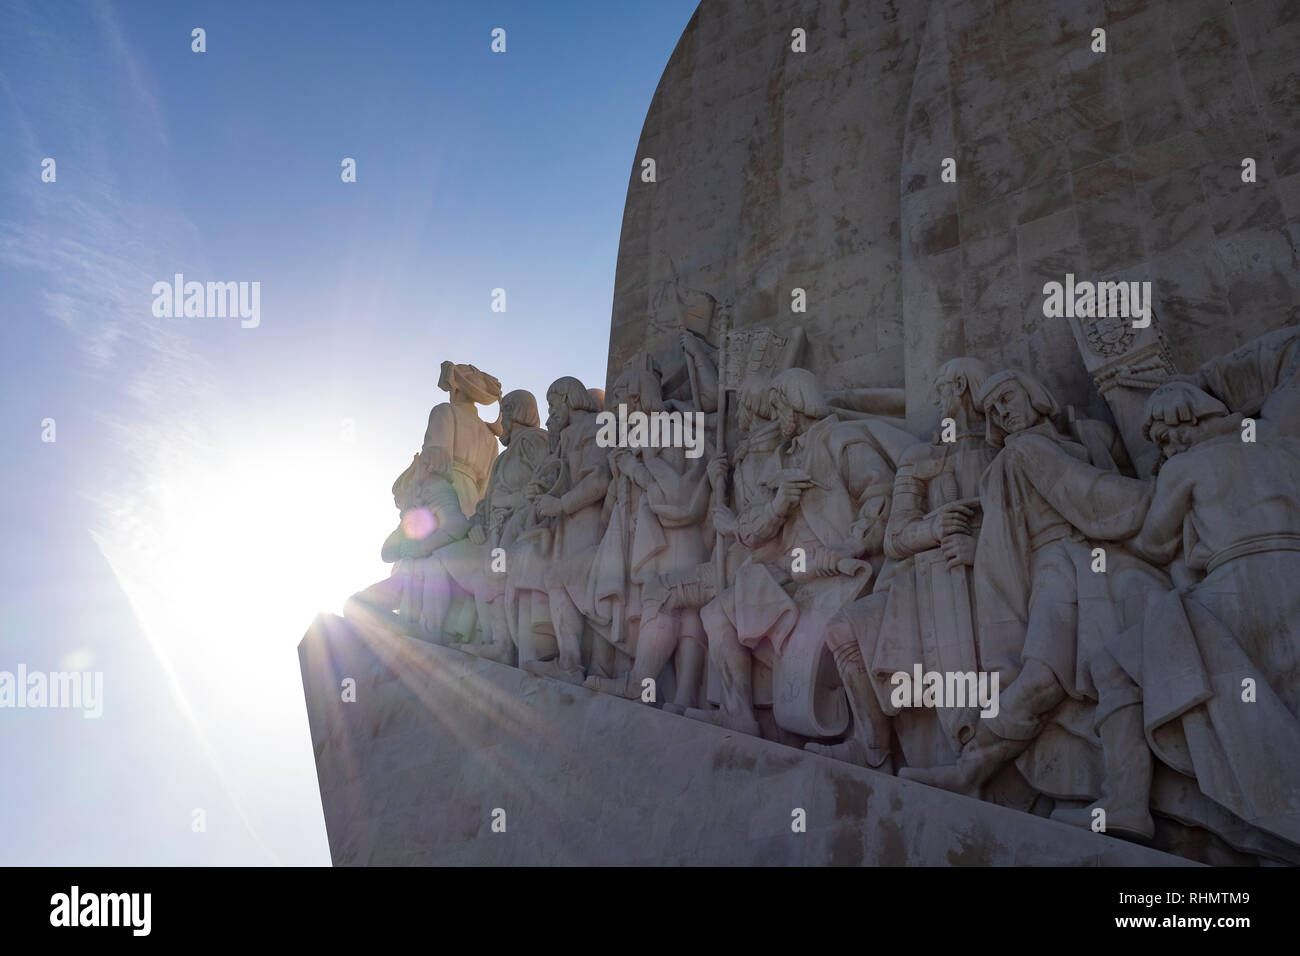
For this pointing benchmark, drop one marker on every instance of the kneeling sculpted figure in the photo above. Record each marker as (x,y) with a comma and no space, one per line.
(473,563)
(1042,610)
(430,519)
(824,496)
(1227,713)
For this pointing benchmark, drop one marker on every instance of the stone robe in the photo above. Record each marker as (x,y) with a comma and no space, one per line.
(1233,508)
(1044,508)
(459,444)
(924,614)
(780,616)
(503,512)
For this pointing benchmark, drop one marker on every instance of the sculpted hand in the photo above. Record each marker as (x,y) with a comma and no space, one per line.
(790,490)
(951,519)
(959,549)
(717,471)
(549,506)
(724,520)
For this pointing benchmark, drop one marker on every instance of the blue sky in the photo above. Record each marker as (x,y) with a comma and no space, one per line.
(201,501)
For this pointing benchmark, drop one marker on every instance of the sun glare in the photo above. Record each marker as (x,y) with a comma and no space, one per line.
(226,561)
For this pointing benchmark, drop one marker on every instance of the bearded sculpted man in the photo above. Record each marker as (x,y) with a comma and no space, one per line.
(473,564)
(457,443)
(560,560)
(923,612)
(682,590)
(431,519)
(1042,608)
(656,533)
(822,498)
(1227,714)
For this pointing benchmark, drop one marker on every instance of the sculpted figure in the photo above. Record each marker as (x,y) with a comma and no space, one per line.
(923,613)
(570,513)
(1230,510)
(1042,610)
(1259,379)
(821,495)
(663,497)
(684,355)
(430,519)
(469,564)
(456,442)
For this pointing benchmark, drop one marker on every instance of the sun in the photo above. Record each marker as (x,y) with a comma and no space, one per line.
(226,558)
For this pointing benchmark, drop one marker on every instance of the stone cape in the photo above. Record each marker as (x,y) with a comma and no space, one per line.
(913,285)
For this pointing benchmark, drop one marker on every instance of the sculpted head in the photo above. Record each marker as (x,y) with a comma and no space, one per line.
(1013,401)
(1178,415)
(566,396)
(798,401)
(518,411)
(642,392)
(754,404)
(465,382)
(957,383)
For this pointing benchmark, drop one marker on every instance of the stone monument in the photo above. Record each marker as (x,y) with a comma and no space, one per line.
(989,323)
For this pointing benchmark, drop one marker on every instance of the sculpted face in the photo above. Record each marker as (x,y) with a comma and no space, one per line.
(791,420)
(557,413)
(1011,410)
(1176,439)
(950,392)
(787,417)
(508,411)
(633,400)
(1170,441)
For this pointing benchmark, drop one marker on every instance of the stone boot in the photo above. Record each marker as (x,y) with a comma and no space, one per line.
(978,761)
(1126,793)
(864,748)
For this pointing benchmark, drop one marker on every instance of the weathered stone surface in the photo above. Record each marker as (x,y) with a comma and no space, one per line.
(436,740)
(821,170)
(1074,565)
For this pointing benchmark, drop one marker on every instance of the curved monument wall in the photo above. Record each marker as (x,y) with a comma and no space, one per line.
(821,170)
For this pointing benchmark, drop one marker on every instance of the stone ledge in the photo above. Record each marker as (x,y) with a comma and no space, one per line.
(411,772)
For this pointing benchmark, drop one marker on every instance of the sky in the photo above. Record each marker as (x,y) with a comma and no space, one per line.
(183,495)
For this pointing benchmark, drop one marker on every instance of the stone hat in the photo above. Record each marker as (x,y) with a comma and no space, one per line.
(482,388)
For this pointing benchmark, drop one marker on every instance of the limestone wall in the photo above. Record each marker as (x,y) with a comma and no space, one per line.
(411,772)
(821,170)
